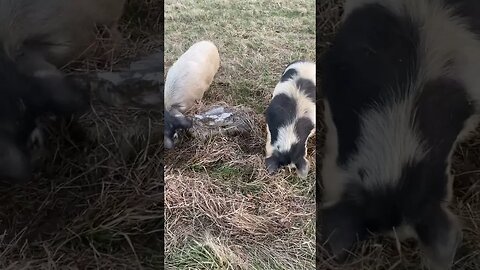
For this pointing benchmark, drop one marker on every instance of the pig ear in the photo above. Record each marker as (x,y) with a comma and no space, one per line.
(184,122)
(302,167)
(272,164)
(14,165)
(171,128)
(179,120)
(440,234)
(173,120)
(340,227)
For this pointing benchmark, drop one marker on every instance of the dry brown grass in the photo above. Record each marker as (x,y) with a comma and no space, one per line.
(222,209)
(98,202)
(383,253)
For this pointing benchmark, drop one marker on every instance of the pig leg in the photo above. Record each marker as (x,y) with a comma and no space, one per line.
(440,234)
(340,228)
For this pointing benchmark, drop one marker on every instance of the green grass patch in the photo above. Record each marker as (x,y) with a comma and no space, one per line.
(195,255)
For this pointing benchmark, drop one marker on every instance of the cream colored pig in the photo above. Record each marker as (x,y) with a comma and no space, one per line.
(191,75)
(187,80)
(58,30)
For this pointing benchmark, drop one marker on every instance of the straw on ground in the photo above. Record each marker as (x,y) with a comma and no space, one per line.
(222,209)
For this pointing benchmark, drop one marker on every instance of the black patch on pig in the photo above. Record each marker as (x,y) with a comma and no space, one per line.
(442,109)
(368,63)
(288,75)
(303,128)
(280,112)
(307,87)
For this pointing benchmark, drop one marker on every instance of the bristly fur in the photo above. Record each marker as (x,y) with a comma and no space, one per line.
(402,87)
(291,118)
(191,75)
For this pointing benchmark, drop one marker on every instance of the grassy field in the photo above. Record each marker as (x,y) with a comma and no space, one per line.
(92,206)
(385,253)
(222,210)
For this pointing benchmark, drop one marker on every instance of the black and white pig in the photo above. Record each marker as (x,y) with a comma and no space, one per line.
(402,86)
(186,82)
(290,118)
